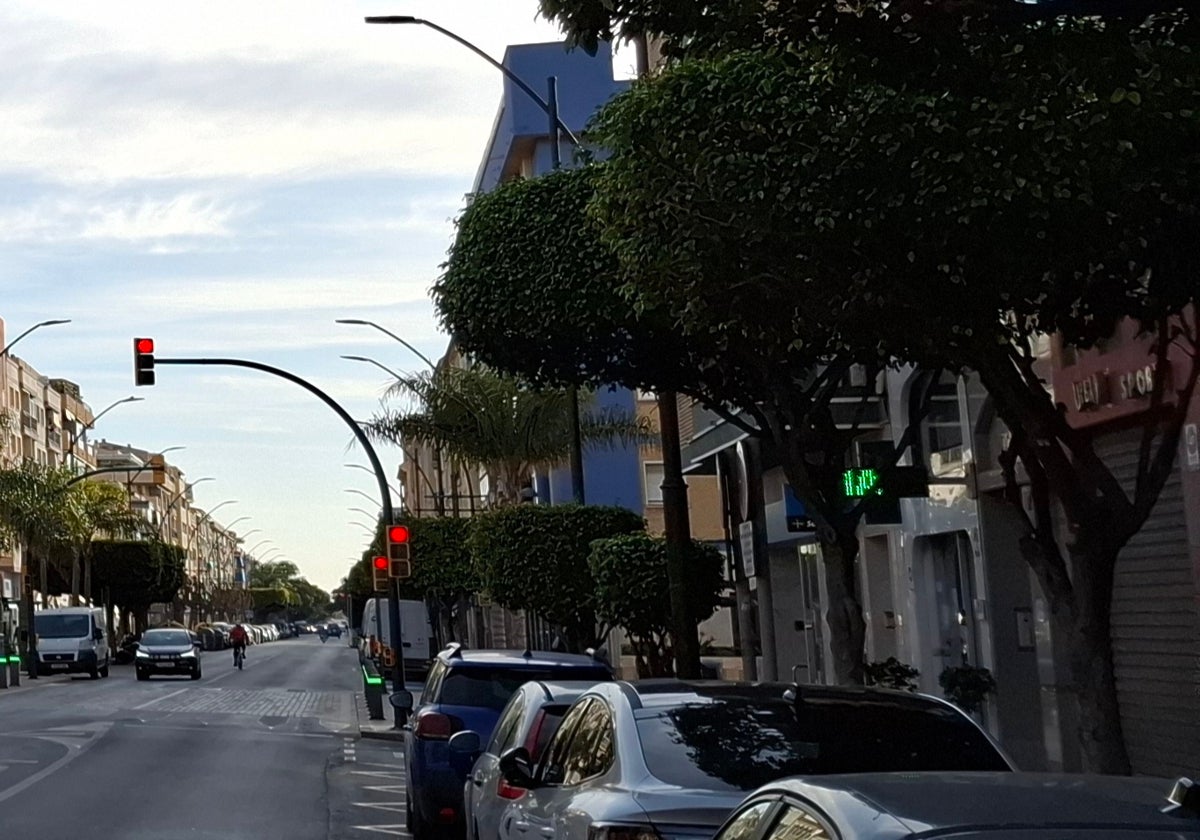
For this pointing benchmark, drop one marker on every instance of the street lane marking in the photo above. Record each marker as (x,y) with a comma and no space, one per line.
(157,699)
(386,788)
(397,830)
(383,806)
(72,754)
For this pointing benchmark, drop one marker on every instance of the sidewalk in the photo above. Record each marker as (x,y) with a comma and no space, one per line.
(380,729)
(28,685)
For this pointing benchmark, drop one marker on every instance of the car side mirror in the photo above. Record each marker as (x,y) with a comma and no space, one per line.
(402,700)
(516,766)
(97,634)
(466,742)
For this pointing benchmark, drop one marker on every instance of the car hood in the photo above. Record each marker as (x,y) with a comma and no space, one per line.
(671,808)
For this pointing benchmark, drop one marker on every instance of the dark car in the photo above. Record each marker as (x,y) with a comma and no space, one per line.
(167,651)
(467,690)
(957,806)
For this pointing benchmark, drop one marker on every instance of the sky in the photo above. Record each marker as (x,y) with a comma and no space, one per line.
(229,178)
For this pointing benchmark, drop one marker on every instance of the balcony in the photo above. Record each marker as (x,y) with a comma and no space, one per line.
(29,422)
(54,438)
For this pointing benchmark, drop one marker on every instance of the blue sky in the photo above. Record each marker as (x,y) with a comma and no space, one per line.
(229,178)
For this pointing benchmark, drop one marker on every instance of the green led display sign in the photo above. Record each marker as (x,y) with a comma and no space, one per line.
(857,483)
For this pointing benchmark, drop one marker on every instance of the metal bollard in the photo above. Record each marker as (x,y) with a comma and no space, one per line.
(3,664)
(373,690)
(14,670)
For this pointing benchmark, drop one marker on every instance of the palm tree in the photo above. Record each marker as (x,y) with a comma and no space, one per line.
(479,416)
(34,511)
(93,509)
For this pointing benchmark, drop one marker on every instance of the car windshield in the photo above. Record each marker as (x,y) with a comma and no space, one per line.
(62,626)
(167,638)
(492,688)
(740,743)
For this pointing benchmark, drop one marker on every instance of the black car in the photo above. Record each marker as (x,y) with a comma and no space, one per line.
(169,651)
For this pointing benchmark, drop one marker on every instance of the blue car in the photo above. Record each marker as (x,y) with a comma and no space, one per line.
(467,690)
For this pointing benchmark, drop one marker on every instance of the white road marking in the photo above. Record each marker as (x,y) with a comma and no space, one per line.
(383,806)
(149,703)
(386,788)
(397,830)
(32,780)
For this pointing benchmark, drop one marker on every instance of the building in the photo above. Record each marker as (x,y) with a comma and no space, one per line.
(1156,600)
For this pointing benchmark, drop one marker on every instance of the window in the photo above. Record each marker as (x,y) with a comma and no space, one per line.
(798,824)
(553,768)
(652,472)
(492,688)
(745,825)
(433,681)
(506,727)
(645,396)
(591,751)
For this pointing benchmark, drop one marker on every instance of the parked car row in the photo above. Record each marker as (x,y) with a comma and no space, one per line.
(508,746)
(215,636)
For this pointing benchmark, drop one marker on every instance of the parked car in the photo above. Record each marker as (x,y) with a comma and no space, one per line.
(467,690)
(981,806)
(529,720)
(167,651)
(672,759)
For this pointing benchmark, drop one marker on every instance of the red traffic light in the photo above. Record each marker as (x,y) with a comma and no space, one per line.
(380,563)
(145,345)
(398,534)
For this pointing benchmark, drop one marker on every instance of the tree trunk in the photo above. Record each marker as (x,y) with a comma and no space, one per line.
(678,536)
(847,629)
(87,577)
(74,579)
(1092,669)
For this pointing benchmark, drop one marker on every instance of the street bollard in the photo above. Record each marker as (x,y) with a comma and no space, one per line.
(14,670)
(3,664)
(373,690)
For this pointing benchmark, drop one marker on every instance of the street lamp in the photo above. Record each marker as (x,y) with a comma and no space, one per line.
(75,437)
(366,513)
(249,533)
(371,361)
(370,531)
(557,130)
(230,525)
(361,323)
(254,547)
(37,326)
(366,496)
(391,487)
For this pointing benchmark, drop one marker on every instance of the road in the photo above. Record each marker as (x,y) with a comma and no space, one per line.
(268,752)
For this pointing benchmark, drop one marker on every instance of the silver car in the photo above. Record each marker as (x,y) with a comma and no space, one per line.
(667,760)
(979,806)
(529,720)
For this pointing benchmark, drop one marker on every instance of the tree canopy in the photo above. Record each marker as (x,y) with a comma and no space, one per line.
(535,557)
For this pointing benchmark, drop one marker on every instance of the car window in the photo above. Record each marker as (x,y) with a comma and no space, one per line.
(745,825)
(591,751)
(62,626)
(796,823)
(489,688)
(553,767)
(739,742)
(506,727)
(167,637)
(433,681)
(548,719)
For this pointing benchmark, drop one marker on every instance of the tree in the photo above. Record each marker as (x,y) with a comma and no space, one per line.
(137,574)
(482,417)
(630,574)
(34,511)
(92,509)
(535,557)
(944,200)
(443,574)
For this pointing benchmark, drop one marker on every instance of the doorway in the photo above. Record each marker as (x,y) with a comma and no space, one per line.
(949,621)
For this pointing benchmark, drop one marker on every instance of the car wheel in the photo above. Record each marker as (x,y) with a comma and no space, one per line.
(94,674)
(142,675)
(196,674)
(104,670)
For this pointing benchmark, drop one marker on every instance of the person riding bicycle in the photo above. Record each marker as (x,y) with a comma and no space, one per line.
(238,637)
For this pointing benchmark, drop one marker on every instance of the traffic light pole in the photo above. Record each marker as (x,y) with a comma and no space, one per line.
(380,477)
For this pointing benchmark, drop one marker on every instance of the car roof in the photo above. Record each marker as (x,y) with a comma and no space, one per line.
(931,801)
(667,693)
(560,691)
(467,658)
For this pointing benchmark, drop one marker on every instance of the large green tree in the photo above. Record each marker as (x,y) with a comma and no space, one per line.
(535,557)
(970,190)
(136,574)
(94,509)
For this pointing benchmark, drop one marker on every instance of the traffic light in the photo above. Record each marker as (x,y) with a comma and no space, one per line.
(399,552)
(143,361)
(379,573)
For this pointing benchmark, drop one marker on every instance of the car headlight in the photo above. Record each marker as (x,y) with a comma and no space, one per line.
(141,654)
(191,653)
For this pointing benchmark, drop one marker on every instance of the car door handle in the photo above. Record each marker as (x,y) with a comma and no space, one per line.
(547,831)
(521,825)
(477,780)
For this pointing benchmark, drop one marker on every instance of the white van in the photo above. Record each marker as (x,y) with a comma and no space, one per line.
(415,630)
(72,640)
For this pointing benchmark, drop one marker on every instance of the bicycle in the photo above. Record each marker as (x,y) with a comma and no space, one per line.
(239,656)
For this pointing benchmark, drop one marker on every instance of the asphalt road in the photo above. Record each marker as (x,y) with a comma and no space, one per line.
(268,752)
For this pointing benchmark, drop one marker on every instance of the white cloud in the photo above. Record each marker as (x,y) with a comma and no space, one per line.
(188,215)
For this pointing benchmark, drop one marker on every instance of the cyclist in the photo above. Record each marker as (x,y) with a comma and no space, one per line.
(238,638)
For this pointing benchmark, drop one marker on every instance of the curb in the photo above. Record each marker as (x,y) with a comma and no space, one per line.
(382,734)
